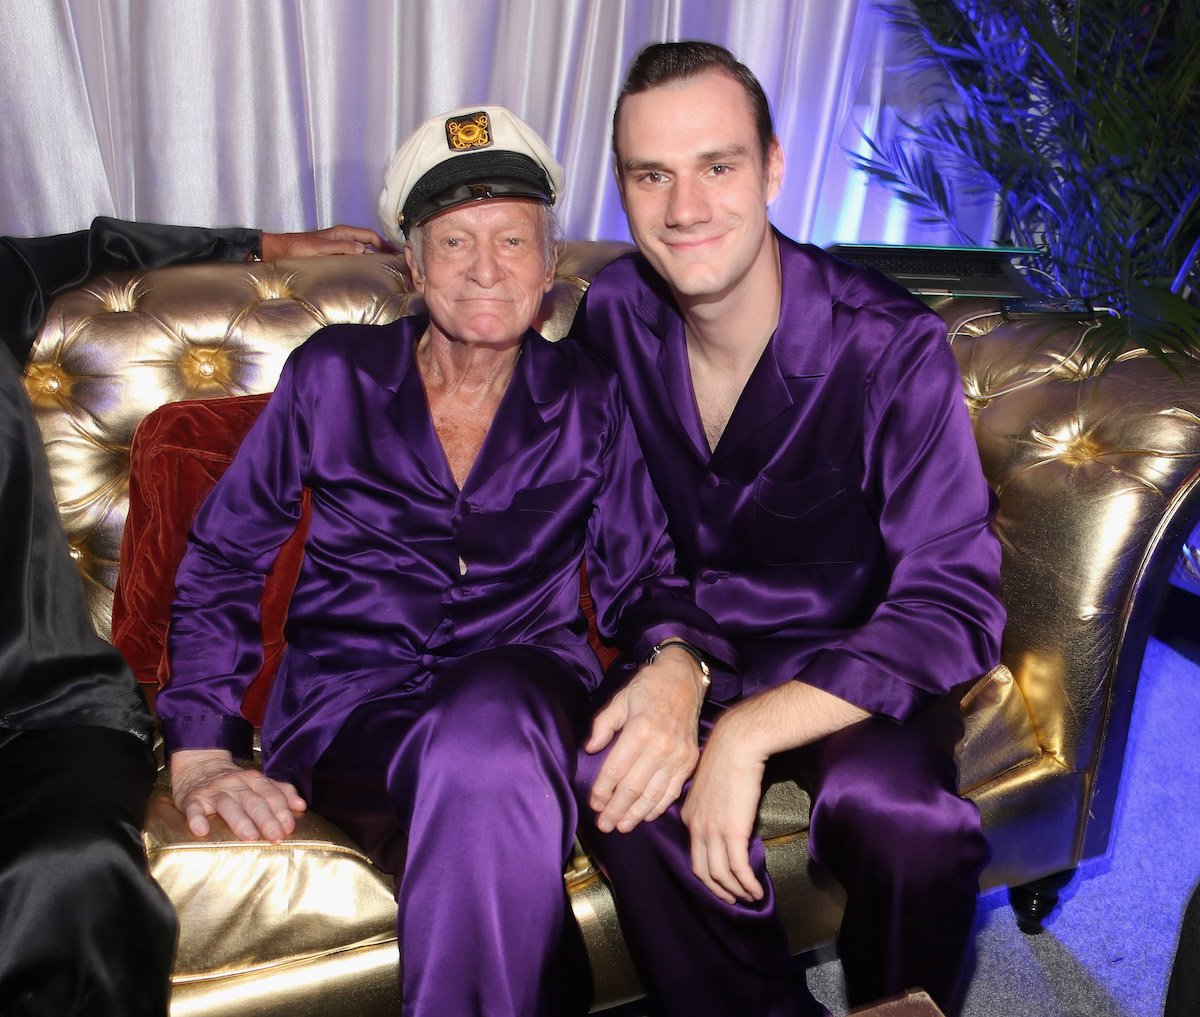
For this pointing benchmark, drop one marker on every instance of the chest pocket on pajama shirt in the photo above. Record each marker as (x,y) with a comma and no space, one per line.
(532,536)
(811,521)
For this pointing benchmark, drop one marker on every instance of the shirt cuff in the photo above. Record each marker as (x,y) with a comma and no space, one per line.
(848,678)
(209,732)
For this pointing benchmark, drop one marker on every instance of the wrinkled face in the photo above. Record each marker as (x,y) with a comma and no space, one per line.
(485,271)
(694,183)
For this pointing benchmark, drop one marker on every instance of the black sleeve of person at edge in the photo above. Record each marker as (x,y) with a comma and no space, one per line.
(84,927)
(55,671)
(34,270)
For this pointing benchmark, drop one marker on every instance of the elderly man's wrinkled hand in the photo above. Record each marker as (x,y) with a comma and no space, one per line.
(655,720)
(207,782)
(332,240)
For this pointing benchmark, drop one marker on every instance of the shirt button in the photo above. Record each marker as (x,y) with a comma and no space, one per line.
(712,480)
(428,660)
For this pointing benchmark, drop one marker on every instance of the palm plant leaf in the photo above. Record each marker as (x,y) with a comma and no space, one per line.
(1084,121)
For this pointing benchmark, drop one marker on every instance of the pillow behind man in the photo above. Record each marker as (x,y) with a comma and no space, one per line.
(178,453)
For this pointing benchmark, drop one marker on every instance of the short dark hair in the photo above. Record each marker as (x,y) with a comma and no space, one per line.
(663,62)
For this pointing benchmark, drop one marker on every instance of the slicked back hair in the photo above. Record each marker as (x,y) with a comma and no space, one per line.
(660,63)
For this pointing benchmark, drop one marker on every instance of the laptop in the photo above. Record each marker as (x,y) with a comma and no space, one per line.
(944,271)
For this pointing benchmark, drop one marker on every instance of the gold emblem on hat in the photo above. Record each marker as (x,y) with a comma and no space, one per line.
(467,132)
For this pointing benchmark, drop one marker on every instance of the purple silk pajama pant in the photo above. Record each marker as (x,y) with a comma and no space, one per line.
(462,788)
(886,821)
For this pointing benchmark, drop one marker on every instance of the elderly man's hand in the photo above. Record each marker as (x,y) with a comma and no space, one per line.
(332,240)
(655,719)
(207,782)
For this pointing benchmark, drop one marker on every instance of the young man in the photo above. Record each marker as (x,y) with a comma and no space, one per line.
(805,429)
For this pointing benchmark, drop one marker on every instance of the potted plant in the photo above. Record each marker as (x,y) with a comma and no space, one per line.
(1081,120)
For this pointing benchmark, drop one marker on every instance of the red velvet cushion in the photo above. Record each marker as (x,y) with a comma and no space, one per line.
(177,454)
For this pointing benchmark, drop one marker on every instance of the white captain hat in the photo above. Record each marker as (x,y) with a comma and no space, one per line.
(470,154)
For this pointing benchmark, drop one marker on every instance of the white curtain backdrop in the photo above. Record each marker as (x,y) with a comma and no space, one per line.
(282,114)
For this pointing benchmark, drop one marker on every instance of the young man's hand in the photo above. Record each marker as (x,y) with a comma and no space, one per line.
(720,810)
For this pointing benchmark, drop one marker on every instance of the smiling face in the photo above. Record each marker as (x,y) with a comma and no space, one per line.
(483,270)
(695,185)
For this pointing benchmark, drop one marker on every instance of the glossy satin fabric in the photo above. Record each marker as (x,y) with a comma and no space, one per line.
(885,822)
(35,270)
(839,534)
(412,589)
(403,572)
(82,927)
(55,671)
(481,756)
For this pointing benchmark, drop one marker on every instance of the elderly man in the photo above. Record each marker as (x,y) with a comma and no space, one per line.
(804,425)
(437,672)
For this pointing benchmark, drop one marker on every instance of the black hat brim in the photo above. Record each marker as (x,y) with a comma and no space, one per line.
(477,176)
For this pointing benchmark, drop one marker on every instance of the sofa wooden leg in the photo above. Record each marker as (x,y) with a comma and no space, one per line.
(1034,901)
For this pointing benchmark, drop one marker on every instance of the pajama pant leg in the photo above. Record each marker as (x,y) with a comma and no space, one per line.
(463,791)
(84,930)
(697,956)
(887,821)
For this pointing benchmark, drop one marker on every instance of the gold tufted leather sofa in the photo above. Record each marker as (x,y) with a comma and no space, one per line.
(1096,480)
